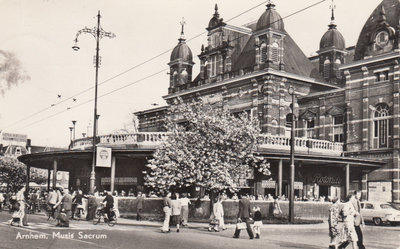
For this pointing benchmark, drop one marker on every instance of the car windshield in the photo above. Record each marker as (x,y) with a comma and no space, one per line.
(386,206)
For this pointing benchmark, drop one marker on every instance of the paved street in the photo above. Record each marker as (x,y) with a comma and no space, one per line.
(132,234)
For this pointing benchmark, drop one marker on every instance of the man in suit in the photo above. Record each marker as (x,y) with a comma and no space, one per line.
(358,219)
(244,215)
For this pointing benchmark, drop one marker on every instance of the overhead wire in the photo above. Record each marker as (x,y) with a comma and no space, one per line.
(138,65)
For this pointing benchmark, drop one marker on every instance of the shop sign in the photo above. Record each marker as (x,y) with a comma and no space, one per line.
(298,185)
(120,181)
(327,180)
(268,184)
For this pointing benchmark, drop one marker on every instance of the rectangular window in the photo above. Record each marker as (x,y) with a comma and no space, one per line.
(385,75)
(377,77)
(338,135)
(213,66)
(310,129)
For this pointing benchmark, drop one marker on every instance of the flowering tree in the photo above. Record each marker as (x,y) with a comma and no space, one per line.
(211,150)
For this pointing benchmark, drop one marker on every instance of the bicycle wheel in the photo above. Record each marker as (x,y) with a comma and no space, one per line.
(96,218)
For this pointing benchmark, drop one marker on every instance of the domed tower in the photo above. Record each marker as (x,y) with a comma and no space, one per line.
(332,51)
(181,64)
(269,36)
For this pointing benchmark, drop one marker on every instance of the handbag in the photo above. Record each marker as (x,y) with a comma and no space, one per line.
(241,225)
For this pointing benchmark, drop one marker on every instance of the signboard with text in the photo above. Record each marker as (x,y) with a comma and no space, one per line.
(103,157)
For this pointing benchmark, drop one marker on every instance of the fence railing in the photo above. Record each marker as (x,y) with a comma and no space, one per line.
(154,139)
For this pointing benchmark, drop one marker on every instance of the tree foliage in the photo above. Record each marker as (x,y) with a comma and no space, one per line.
(11,72)
(212,149)
(13,173)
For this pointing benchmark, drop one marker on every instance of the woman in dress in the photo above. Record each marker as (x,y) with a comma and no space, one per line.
(349,234)
(334,230)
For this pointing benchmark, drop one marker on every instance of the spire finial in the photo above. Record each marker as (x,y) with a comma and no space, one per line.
(332,25)
(333,7)
(182,38)
(216,14)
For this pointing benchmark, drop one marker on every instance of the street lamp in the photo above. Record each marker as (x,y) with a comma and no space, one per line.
(98,34)
(292,138)
(74,122)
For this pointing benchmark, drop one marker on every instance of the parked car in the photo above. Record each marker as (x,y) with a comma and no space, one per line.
(379,213)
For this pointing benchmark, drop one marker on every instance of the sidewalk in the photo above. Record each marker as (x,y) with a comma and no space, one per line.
(202,225)
(133,222)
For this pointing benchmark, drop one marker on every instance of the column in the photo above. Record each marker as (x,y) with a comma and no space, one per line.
(112,183)
(364,186)
(347,179)
(365,109)
(28,177)
(48,179)
(280,177)
(54,173)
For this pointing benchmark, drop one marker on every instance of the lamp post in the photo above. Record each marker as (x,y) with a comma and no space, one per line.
(74,123)
(292,138)
(70,137)
(98,34)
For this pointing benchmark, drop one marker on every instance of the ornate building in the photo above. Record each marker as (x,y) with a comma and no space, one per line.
(347,119)
(345,95)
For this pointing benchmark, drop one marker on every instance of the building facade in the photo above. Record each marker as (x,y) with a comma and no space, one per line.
(346,95)
(346,108)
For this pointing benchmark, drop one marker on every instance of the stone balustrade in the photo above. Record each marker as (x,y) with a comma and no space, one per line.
(267,142)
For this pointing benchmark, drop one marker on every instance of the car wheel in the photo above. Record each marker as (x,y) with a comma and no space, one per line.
(377,221)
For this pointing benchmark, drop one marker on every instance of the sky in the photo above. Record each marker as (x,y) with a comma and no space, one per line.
(41,33)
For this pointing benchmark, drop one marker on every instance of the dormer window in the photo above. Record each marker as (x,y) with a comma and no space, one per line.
(382,38)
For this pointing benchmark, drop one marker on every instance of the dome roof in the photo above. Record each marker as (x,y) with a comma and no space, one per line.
(270,19)
(385,14)
(182,52)
(332,38)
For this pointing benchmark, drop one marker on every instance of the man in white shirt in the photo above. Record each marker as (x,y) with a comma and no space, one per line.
(184,209)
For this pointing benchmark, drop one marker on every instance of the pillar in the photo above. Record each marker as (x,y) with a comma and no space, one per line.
(112,183)
(54,173)
(28,177)
(347,179)
(280,177)
(48,179)
(364,186)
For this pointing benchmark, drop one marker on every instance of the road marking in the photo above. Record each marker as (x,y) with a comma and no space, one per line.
(31,230)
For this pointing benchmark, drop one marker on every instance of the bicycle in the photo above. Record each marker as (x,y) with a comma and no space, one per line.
(101,214)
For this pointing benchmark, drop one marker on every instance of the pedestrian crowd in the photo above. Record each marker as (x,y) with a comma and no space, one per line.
(345,220)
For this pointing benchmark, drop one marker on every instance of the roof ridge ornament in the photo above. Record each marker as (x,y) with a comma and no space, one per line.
(182,38)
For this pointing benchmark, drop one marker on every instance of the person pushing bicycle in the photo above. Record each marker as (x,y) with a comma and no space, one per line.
(109,204)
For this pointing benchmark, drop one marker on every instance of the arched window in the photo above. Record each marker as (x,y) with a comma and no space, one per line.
(174,78)
(327,64)
(337,71)
(382,126)
(275,52)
